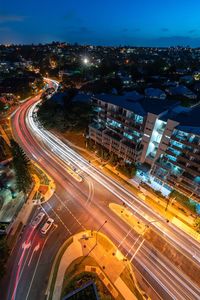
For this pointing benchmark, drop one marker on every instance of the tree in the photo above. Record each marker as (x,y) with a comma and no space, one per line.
(4,252)
(21,167)
(128,169)
(1,106)
(197,224)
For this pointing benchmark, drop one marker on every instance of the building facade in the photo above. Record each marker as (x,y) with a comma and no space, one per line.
(157,133)
(117,129)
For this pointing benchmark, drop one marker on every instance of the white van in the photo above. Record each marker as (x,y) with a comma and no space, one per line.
(45,228)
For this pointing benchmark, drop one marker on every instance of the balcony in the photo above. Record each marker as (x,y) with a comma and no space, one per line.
(185,141)
(116,117)
(97,127)
(181,164)
(196,154)
(102,115)
(112,135)
(163,164)
(133,125)
(193,170)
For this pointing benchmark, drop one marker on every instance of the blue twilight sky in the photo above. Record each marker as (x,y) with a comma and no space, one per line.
(104,22)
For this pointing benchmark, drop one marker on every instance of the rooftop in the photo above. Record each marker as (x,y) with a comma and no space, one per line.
(138,105)
(189,118)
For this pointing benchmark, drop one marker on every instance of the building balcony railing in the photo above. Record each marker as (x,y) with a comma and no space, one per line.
(181,164)
(163,164)
(132,124)
(113,135)
(115,117)
(170,152)
(97,127)
(193,170)
(196,154)
(185,141)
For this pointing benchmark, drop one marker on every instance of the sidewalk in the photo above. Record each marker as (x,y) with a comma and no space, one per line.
(110,261)
(26,210)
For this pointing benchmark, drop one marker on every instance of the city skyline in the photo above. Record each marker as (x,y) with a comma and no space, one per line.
(127,23)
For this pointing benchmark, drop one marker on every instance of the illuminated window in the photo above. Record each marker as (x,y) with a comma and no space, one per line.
(114,123)
(139,119)
(128,136)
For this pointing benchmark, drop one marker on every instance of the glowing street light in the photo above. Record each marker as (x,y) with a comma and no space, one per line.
(85,60)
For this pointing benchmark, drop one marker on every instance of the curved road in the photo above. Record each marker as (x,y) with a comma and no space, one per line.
(79,206)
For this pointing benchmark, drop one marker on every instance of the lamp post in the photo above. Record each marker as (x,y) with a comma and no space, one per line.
(96,240)
(99,230)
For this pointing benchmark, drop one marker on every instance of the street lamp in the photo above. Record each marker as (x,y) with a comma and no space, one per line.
(99,230)
(96,239)
(85,61)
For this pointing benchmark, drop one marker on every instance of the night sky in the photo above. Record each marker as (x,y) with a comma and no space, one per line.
(101,22)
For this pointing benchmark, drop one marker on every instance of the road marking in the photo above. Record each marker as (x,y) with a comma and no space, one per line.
(137,239)
(137,250)
(34,250)
(44,210)
(61,221)
(37,266)
(124,238)
(91,192)
(22,269)
(59,199)
(26,246)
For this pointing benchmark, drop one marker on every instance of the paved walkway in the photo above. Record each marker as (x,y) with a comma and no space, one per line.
(25,212)
(73,252)
(110,266)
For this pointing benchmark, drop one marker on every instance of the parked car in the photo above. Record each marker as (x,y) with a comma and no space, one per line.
(45,228)
(38,219)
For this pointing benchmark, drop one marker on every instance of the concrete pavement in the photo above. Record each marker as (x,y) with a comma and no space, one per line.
(110,261)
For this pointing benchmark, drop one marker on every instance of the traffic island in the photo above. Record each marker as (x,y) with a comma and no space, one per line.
(46,185)
(92,256)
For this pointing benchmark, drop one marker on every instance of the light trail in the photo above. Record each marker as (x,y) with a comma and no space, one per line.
(70,156)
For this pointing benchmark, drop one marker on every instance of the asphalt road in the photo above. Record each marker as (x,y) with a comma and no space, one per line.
(78,206)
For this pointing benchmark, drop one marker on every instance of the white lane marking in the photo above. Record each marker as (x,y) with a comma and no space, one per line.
(91,192)
(133,245)
(70,212)
(33,252)
(61,221)
(124,238)
(30,285)
(140,245)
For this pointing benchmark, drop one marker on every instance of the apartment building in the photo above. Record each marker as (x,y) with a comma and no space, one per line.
(154,132)
(177,161)
(117,127)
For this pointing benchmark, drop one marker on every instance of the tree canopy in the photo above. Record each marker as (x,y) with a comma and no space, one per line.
(21,167)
